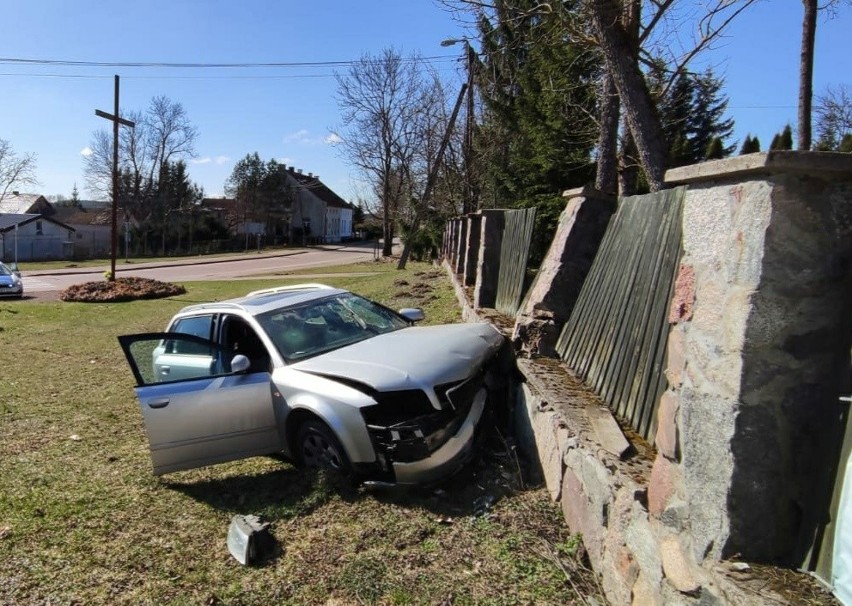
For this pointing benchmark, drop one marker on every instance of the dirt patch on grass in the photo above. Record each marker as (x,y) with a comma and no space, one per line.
(121,289)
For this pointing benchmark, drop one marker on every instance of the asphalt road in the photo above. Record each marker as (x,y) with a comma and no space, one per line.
(46,284)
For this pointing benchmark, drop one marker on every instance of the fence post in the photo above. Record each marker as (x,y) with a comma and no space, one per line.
(488,263)
(563,271)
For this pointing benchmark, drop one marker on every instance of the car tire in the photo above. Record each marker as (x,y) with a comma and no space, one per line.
(318,448)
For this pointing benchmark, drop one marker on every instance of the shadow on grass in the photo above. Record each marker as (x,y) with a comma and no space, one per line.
(275,495)
(494,472)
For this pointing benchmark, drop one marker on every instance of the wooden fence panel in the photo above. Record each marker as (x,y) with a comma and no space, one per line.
(616,337)
(514,253)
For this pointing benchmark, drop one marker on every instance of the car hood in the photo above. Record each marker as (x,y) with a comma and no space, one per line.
(411,358)
(8,280)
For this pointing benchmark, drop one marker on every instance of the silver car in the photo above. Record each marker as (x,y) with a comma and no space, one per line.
(11,284)
(329,378)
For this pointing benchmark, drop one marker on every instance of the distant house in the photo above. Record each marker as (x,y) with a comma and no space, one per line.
(320,214)
(17,203)
(34,237)
(309,212)
(92,229)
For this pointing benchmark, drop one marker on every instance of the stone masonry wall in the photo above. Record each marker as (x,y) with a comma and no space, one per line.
(747,432)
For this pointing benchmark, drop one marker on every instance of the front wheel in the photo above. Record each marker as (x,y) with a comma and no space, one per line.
(319,448)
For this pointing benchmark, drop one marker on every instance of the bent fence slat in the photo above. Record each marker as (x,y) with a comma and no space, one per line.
(616,337)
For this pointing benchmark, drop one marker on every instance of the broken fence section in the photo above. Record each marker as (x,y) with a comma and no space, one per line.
(616,337)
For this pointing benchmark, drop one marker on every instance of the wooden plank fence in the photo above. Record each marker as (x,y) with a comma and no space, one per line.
(514,253)
(617,335)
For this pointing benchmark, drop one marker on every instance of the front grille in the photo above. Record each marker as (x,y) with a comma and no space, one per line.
(406,427)
(394,407)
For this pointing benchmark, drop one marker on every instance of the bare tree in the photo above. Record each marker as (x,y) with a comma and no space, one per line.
(15,170)
(389,106)
(163,134)
(833,117)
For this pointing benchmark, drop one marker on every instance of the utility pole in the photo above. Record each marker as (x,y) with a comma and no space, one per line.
(116,120)
(468,202)
(430,180)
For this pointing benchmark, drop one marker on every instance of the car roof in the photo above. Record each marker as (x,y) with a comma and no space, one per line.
(260,301)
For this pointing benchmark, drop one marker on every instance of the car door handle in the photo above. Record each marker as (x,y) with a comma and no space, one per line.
(161,403)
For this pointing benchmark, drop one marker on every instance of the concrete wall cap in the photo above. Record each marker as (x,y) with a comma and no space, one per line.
(587,191)
(823,165)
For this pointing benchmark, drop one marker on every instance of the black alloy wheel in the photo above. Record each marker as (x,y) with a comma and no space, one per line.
(319,448)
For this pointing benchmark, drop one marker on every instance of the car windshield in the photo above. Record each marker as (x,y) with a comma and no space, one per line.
(327,324)
(5,271)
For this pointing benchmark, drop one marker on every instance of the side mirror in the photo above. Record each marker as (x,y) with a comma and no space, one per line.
(240,364)
(412,314)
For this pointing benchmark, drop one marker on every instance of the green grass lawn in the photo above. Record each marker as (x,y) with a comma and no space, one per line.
(83,521)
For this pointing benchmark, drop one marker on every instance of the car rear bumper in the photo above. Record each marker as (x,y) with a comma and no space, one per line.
(449,457)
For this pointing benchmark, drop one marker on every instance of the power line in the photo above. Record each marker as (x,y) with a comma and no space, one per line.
(154,64)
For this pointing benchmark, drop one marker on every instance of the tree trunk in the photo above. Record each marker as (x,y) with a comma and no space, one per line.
(606,180)
(806,73)
(639,109)
(628,170)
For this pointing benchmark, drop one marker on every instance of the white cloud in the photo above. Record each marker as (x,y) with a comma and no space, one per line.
(333,139)
(222,160)
(204,160)
(86,151)
(300,136)
(285,160)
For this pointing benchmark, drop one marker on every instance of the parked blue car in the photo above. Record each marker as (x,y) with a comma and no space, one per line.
(11,284)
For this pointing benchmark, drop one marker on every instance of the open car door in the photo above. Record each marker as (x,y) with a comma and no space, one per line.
(197,410)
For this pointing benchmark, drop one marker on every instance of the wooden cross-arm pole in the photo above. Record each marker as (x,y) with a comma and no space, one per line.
(116,120)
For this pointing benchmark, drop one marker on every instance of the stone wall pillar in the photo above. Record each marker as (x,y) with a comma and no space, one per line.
(488,264)
(758,353)
(474,235)
(553,293)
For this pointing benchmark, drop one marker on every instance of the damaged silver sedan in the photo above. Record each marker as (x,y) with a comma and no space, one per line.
(329,378)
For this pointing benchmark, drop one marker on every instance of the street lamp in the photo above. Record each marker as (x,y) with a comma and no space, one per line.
(468,204)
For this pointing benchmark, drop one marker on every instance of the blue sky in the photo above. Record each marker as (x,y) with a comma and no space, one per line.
(288,114)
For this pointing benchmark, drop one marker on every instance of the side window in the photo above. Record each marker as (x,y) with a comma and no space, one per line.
(152,362)
(199,326)
(240,338)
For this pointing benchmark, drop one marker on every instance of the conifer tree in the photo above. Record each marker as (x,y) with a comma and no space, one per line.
(715,150)
(538,91)
(783,140)
(692,112)
(750,145)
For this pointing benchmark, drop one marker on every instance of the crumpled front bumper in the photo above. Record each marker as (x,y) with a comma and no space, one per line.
(450,456)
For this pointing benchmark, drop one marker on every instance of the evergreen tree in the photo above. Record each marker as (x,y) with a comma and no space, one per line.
(715,150)
(692,111)
(846,144)
(538,91)
(75,197)
(707,118)
(783,140)
(750,145)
